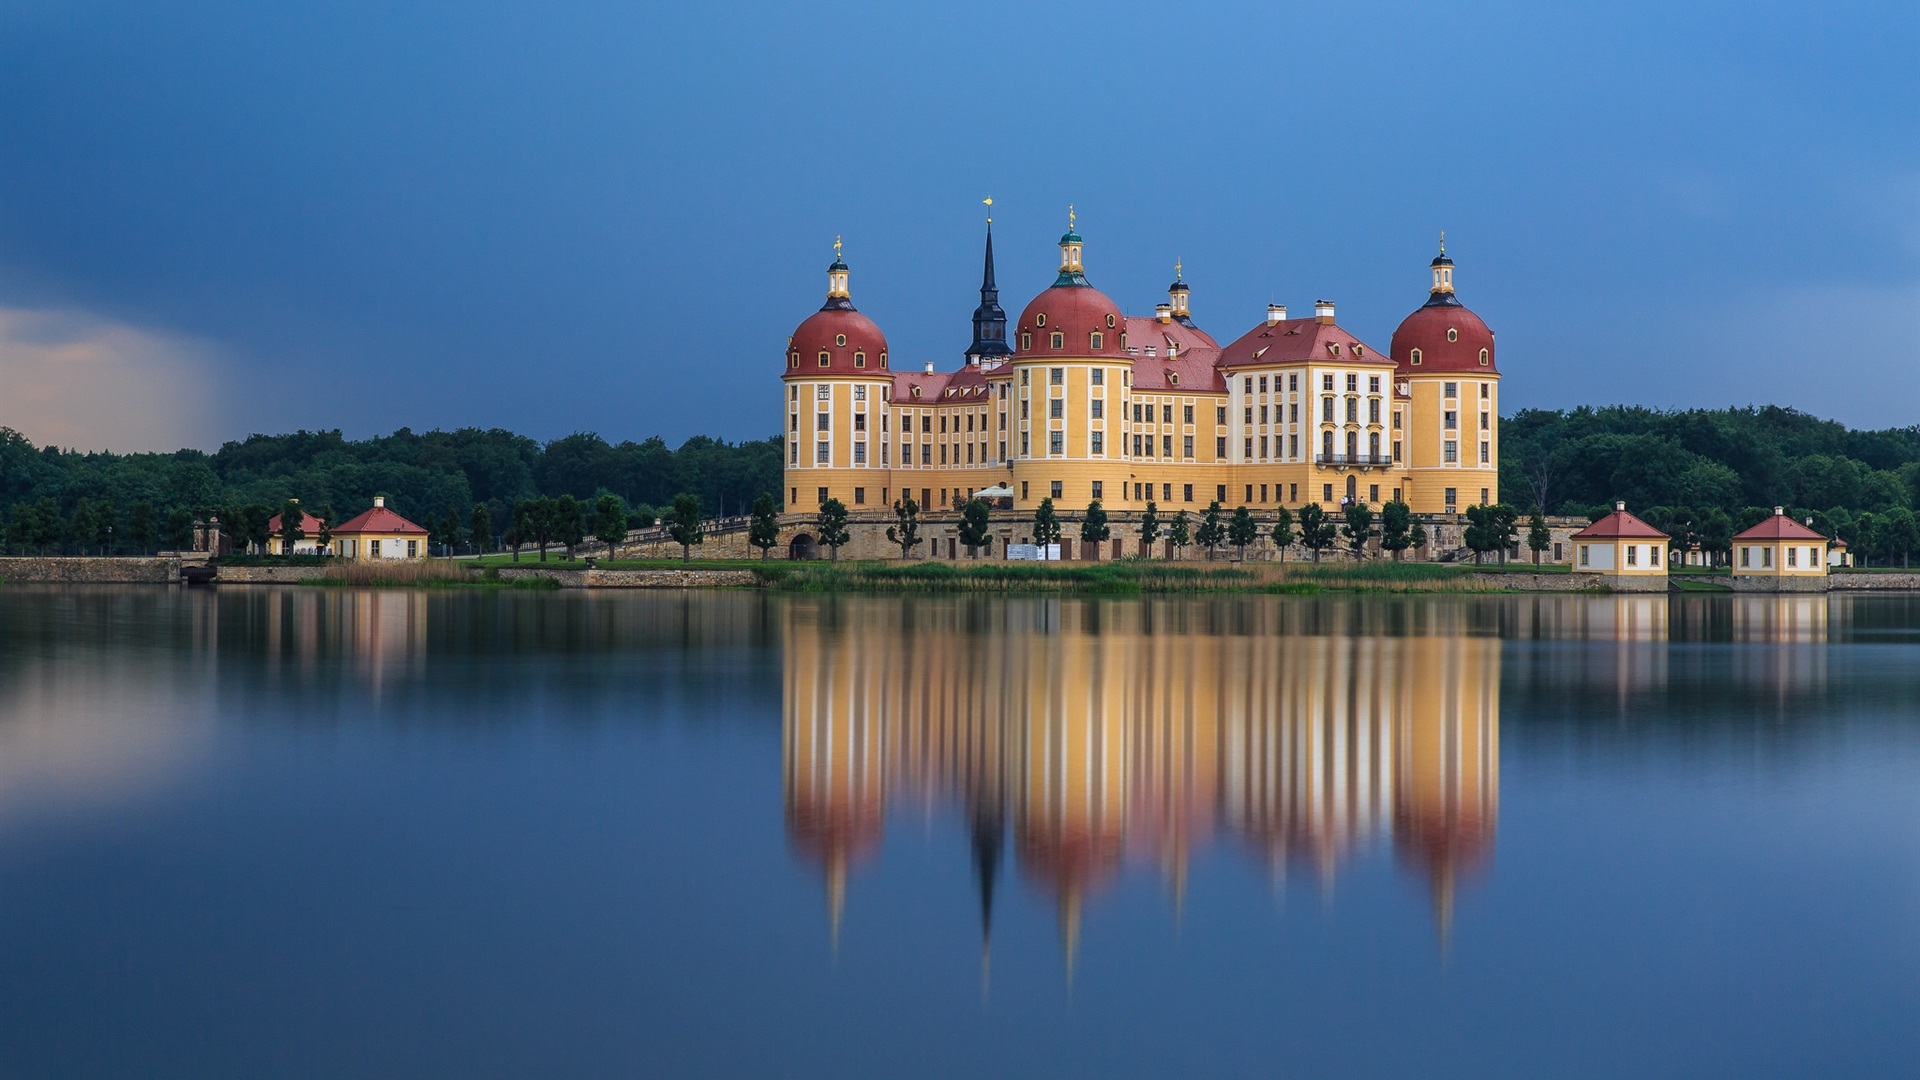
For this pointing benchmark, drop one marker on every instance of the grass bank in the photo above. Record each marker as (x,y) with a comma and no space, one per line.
(419,574)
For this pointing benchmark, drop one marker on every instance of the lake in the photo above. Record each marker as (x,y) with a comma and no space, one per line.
(309,832)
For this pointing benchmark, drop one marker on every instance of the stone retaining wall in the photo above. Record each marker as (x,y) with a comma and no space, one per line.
(1874,582)
(1525,582)
(268,575)
(633,579)
(154,571)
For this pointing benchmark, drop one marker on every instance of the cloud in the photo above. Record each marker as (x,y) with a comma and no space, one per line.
(73,379)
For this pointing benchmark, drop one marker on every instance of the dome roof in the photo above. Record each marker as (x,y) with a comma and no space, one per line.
(1077,312)
(1449,337)
(845,336)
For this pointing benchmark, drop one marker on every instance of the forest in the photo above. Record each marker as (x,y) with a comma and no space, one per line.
(67,499)
(1696,471)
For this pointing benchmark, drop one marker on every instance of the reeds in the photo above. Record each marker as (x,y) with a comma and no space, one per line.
(397,573)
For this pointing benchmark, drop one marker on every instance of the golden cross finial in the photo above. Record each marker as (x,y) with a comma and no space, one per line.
(1443,241)
(1176,268)
(1069,217)
(989,201)
(836,247)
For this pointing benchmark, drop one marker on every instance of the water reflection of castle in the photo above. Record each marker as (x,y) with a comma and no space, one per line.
(1097,733)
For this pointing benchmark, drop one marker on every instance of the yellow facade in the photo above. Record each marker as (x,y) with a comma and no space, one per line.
(371,546)
(1077,428)
(1791,551)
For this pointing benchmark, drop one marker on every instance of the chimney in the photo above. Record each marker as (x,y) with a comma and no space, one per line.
(929,367)
(295,502)
(1323,311)
(1779,510)
(1620,506)
(1163,312)
(379,502)
(1276,313)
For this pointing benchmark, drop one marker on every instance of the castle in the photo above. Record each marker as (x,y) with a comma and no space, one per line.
(1081,404)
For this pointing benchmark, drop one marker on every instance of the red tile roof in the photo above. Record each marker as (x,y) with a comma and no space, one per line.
(1426,330)
(378,520)
(1779,527)
(309,525)
(1297,340)
(1620,525)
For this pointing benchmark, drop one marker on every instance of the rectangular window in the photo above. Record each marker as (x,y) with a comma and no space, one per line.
(1249,495)
(1166,492)
(1057,376)
(1486,451)
(1452,390)
(1293,447)
(1326,493)
(1326,382)
(1793,556)
(1373,410)
(1373,384)
(1450,420)
(1483,391)
(1098,441)
(859,393)
(1098,488)
(1187,412)
(1056,489)
(1099,409)
(926,423)
(1452,499)
(1353,410)
(1263,414)
(1353,382)
(1220,414)
(1293,382)
(859,496)
(1813,556)
(823,392)
(820,453)
(943,454)
(1056,408)
(1059,340)
(1653,555)
(1220,447)
(1056,442)
(859,421)
(883,453)
(1263,384)
(926,453)
(1098,375)
(795,425)
(413,548)
(1248,385)
(1452,451)
(1293,492)
(1249,415)
(1166,414)
(1633,554)
(859,453)
(1396,419)
(820,421)
(1326,410)
(1746,557)
(1263,447)
(1373,493)
(1247,452)
(1583,555)
(793,453)
(1186,446)
(1484,424)
(1263,493)
(1166,446)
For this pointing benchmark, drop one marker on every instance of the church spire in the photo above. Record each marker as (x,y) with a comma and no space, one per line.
(989,319)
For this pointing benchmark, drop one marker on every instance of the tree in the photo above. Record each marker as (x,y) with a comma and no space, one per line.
(1479,534)
(1242,530)
(104,521)
(179,534)
(248,527)
(1316,531)
(1538,538)
(479,528)
(1505,522)
(905,530)
(1179,534)
(1899,534)
(1397,527)
(1046,525)
(569,523)
(643,516)
(764,530)
(142,526)
(975,520)
(1283,534)
(683,524)
(81,526)
(609,522)
(325,539)
(1358,528)
(532,524)
(1211,533)
(1149,529)
(1093,527)
(833,526)
(449,531)
(293,528)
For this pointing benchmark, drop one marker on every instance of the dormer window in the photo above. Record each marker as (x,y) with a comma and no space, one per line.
(1333,348)
(1483,358)
(1040,319)
(1059,340)
(860,359)
(1173,378)
(1452,334)
(840,340)
(1026,342)
(883,359)
(825,358)
(1096,340)
(793,359)
(1110,320)
(1359,350)
(1414,359)
(916,391)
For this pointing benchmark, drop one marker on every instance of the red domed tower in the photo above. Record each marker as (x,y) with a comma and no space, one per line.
(1447,392)
(836,386)
(1069,346)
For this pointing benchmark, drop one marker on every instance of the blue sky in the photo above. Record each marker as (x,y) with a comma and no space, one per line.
(225,218)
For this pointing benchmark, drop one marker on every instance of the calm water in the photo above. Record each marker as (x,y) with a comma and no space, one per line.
(321,833)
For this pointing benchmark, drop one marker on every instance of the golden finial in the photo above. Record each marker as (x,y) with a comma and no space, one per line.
(1069,217)
(989,201)
(1443,241)
(1176,268)
(836,247)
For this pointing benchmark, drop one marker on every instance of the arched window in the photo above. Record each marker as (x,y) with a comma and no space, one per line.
(1415,358)
(1483,358)
(825,358)
(859,359)
(1096,340)
(793,361)
(1026,341)
(1059,340)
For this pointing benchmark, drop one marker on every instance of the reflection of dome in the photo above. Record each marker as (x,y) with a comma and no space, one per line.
(1447,336)
(849,342)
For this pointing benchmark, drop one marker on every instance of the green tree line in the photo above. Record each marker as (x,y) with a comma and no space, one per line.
(56,499)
